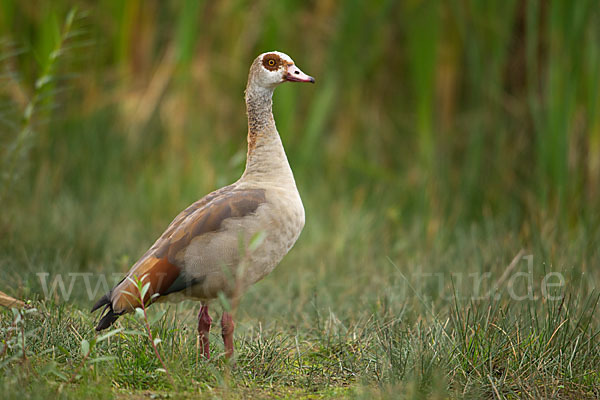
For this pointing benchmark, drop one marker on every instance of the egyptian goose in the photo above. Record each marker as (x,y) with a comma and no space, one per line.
(211,246)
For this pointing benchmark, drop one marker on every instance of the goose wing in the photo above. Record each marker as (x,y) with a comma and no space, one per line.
(161,265)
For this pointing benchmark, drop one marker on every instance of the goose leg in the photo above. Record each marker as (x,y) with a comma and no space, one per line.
(227,327)
(204,321)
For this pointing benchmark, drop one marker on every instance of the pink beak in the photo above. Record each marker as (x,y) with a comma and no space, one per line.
(295,75)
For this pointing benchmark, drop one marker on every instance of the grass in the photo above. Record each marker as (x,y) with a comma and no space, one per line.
(450,178)
(420,326)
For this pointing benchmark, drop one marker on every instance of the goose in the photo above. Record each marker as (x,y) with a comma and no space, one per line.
(232,237)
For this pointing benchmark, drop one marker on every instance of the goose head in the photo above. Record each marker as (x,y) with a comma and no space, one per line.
(273,68)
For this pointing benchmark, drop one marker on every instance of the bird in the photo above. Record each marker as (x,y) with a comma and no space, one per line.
(230,238)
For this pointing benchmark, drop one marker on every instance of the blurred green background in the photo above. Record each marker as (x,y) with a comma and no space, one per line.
(429,120)
(442,139)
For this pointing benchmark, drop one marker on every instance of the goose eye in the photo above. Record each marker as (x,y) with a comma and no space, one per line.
(271,62)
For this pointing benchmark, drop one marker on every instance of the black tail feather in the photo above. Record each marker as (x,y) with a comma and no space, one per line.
(109,316)
(107,319)
(104,300)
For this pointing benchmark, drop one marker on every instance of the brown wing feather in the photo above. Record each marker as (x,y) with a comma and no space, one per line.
(158,271)
(160,266)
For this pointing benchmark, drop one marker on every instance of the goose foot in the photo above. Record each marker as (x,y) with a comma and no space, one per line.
(227,327)
(204,322)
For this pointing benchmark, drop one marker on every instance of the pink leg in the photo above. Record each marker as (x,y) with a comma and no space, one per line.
(227,326)
(204,321)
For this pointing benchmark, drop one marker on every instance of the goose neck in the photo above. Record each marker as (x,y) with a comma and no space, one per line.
(266,159)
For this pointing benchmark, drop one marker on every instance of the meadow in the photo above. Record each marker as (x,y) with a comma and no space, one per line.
(448,158)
